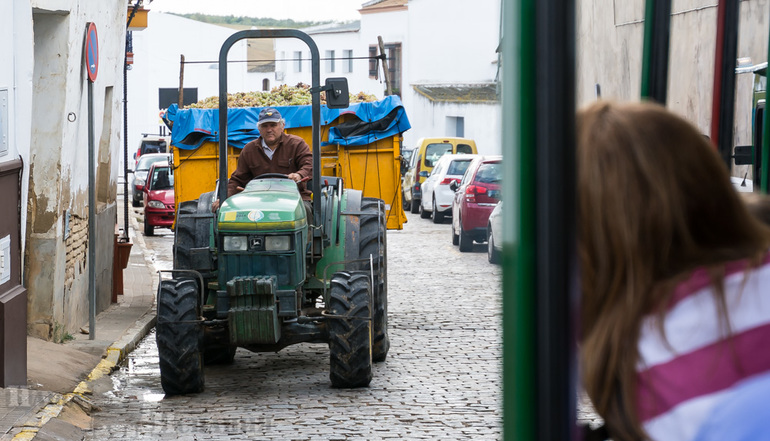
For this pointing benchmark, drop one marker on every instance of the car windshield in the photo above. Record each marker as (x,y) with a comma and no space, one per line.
(464,148)
(435,151)
(162,179)
(458,167)
(146,161)
(489,173)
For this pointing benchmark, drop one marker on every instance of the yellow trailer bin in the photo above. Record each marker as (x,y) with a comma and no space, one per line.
(366,160)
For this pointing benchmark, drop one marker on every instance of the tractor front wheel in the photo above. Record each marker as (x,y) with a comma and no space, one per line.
(350,330)
(179,334)
(373,242)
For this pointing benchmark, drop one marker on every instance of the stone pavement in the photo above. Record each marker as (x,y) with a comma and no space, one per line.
(55,404)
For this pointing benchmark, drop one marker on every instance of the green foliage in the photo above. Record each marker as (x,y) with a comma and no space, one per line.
(60,335)
(251,21)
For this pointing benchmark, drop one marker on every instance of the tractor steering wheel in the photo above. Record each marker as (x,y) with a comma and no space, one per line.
(272,175)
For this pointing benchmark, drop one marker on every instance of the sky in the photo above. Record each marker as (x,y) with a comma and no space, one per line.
(297,10)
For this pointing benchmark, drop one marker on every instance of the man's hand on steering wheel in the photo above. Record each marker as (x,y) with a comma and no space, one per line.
(294,177)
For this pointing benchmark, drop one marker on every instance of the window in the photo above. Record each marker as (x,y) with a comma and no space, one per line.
(457,168)
(433,152)
(455,126)
(373,65)
(297,61)
(266,85)
(347,62)
(330,61)
(393,59)
(464,148)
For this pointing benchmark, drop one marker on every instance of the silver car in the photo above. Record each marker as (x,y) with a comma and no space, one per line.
(140,174)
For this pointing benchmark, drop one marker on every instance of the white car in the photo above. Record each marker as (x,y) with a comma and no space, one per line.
(495,234)
(437,197)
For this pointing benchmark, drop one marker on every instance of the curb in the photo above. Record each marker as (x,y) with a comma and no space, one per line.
(115,354)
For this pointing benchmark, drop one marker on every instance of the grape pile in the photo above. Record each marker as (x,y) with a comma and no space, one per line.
(282,95)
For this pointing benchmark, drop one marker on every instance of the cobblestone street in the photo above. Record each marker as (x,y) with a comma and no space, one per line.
(441,380)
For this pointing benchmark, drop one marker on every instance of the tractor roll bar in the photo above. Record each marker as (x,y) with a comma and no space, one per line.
(315,108)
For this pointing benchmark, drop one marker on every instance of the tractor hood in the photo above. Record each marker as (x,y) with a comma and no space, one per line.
(265,204)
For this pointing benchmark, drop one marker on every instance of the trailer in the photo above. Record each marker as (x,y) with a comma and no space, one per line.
(360,144)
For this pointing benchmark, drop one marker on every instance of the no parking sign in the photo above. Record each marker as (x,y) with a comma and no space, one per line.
(92,52)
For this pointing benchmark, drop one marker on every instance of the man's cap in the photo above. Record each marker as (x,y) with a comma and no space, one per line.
(268,114)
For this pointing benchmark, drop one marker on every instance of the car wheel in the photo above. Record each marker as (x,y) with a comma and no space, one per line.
(465,240)
(415,206)
(455,237)
(423,214)
(436,216)
(136,203)
(149,230)
(492,254)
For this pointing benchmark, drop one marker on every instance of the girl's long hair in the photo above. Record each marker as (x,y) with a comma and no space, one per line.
(654,202)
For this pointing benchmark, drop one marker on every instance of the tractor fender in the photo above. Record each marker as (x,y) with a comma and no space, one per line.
(352,223)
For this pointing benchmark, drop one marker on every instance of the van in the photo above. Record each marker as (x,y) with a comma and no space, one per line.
(426,153)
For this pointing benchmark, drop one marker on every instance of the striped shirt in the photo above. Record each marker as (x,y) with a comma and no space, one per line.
(682,377)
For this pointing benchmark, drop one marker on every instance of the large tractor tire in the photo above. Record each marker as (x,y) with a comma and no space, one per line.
(350,330)
(373,241)
(179,334)
(193,231)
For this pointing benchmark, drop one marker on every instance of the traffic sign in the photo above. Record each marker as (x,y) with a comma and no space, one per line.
(92,52)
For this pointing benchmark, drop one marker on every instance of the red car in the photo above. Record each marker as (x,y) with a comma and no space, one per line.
(475,197)
(158,198)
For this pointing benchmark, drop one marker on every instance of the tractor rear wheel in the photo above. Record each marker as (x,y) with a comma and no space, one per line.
(350,330)
(179,334)
(193,230)
(373,241)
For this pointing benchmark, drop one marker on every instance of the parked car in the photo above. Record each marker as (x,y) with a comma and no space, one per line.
(475,198)
(151,144)
(140,174)
(158,198)
(424,158)
(437,197)
(406,156)
(495,234)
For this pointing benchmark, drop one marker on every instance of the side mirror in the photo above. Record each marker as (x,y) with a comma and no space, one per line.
(424,174)
(337,95)
(129,170)
(744,155)
(454,185)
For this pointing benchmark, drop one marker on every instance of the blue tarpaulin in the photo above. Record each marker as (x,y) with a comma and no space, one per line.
(376,120)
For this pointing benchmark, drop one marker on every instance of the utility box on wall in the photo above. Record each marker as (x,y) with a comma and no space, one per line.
(13,296)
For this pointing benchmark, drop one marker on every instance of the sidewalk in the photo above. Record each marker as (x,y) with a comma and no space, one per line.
(59,375)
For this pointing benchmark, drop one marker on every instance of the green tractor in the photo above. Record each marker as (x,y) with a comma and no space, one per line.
(258,274)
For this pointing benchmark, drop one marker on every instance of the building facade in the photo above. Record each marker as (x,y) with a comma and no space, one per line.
(44,86)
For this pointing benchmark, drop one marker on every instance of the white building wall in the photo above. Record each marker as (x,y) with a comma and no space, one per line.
(16,81)
(157,56)
(393,27)
(609,52)
(452,44)
(56,265)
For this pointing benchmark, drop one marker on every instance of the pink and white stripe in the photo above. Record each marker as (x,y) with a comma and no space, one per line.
(682,377)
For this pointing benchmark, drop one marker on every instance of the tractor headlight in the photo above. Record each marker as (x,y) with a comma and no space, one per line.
(277,243)
(236,243)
